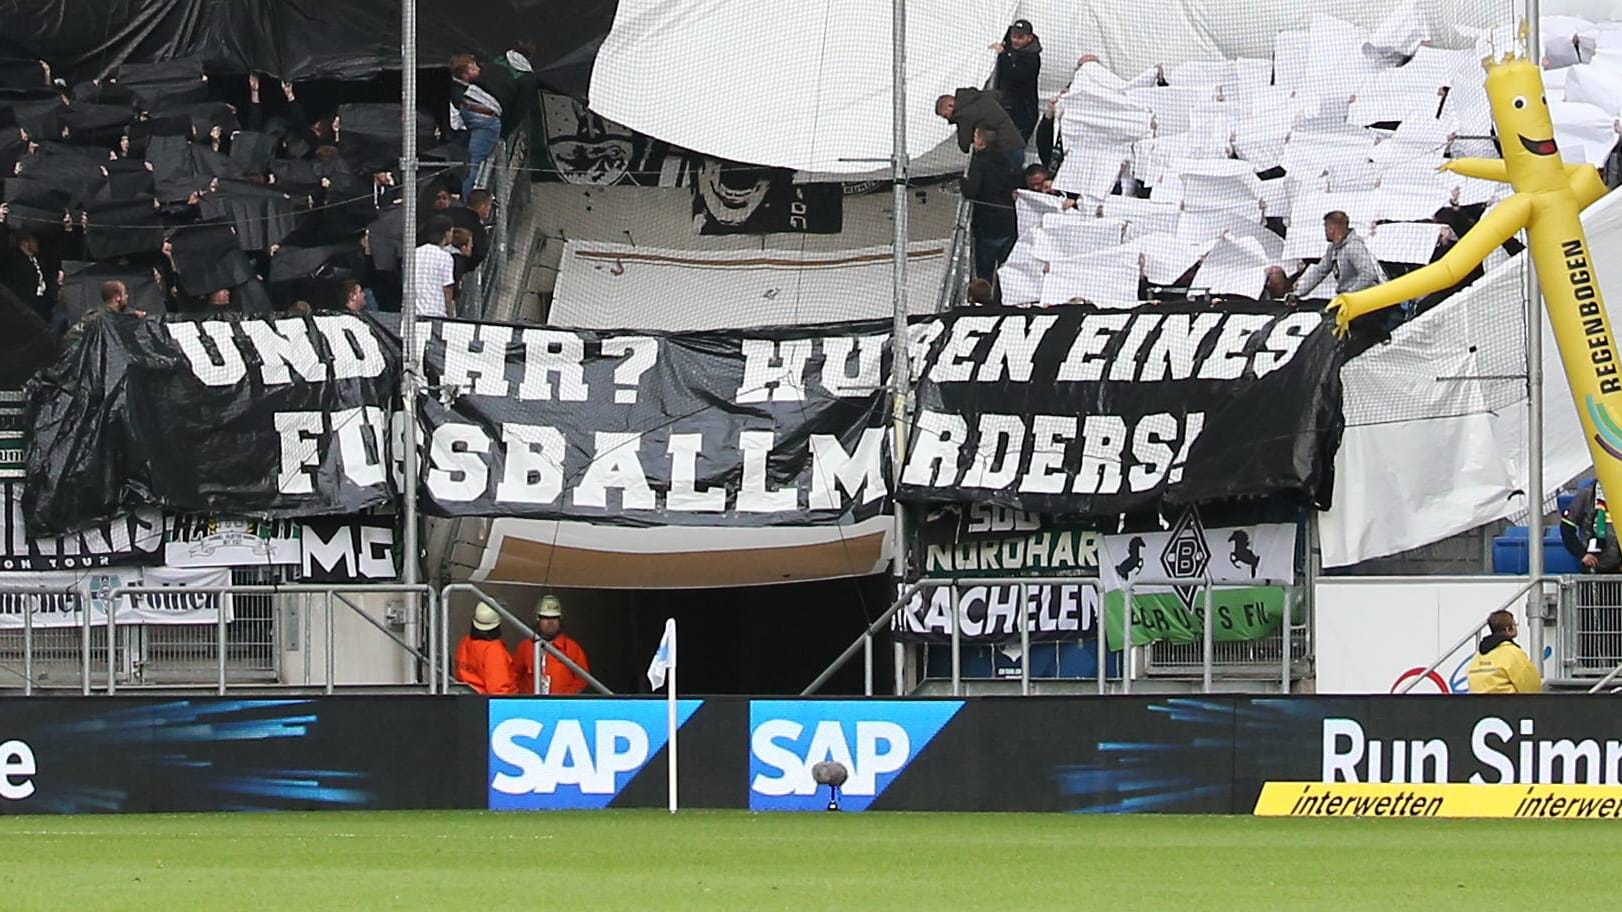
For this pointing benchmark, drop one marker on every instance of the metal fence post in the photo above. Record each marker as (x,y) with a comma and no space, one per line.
(1024,645)
(898,653)
(1210,627)
(1126,638)
(957,645)
(219,642)
(28,645)
(446,654)
(308,632)
(535,664)
(1102,648)
(330,657)
(432,671)
(1284,672)
(84,657)
(112,651)
(867,664)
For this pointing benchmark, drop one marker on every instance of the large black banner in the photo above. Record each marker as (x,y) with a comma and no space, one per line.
(1075,410)
(292,417)
(767,427)
(248,417)
(1066,411)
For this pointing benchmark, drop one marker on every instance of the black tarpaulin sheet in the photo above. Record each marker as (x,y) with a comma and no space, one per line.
(98,124)
(41,118)
(27,344)
(253,151)
(22,74)
(122,227)
(127,178)
(81,287)
(207,258)
(33,206)
(263,216)
(12,149)
(292,39)
(369,136)
(77,171)
(166,85)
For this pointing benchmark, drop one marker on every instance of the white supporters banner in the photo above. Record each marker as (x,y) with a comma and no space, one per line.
(228,541)
(1063,612)
(1235,556)
(57,598)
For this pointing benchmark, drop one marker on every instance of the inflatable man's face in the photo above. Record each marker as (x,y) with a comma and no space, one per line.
(1525,131)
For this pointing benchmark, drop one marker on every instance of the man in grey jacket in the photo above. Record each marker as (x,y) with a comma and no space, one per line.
(1347,258)
(976,109)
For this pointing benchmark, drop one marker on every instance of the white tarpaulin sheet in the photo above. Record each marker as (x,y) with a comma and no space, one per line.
(792,85)
(608,286)
(1404,484)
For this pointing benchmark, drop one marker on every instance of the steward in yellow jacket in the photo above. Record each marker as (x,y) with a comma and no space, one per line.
(1500,666)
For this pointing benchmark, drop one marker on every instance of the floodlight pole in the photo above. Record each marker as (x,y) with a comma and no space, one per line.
(408,303)
(900,373)
(1534,404)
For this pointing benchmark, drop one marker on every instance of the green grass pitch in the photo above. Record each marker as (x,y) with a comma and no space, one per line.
(647,860)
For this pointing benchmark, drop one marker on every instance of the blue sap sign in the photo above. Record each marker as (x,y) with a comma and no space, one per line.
(875,740)
(557,754)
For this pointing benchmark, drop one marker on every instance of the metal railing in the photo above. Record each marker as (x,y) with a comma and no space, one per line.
(1207,655)
(1590,621)
(539,645)
(1473,635)
(955,613)
(20,647)
(428,609)
(108,644)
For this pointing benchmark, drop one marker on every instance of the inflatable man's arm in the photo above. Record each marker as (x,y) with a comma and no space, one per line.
(1497,226)
(1491,169)
(1586,183)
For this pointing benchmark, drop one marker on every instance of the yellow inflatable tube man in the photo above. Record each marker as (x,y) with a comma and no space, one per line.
(1548,197)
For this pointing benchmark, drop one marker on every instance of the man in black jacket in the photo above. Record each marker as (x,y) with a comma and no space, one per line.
(1586,531)
(974,109)
(1019,63)
(990,186)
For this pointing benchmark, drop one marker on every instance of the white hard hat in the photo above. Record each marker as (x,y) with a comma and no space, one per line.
(550,607)
(485,618)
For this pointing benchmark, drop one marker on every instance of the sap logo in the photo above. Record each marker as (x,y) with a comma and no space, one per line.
(17,770)
(621,747)
(881,747)
(560,753)
(875,739)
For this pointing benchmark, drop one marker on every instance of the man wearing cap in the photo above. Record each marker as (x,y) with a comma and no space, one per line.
(482,662)
(1019,63)
(553,677)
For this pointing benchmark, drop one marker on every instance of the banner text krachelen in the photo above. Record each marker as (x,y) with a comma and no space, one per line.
(775,426)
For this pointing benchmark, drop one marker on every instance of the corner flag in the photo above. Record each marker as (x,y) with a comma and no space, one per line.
(664,659)
(663,667)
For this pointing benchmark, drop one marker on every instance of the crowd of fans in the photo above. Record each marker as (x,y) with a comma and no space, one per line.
(1244,179)
(163,189)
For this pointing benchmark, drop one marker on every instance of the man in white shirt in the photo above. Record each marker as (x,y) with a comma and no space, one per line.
(434,288)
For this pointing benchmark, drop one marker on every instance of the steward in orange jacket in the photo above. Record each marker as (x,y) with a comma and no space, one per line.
(557,678)
(482,662)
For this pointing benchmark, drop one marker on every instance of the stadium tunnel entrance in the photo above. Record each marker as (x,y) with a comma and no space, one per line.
(770,640)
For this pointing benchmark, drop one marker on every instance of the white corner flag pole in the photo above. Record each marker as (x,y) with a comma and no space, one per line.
(670,709)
